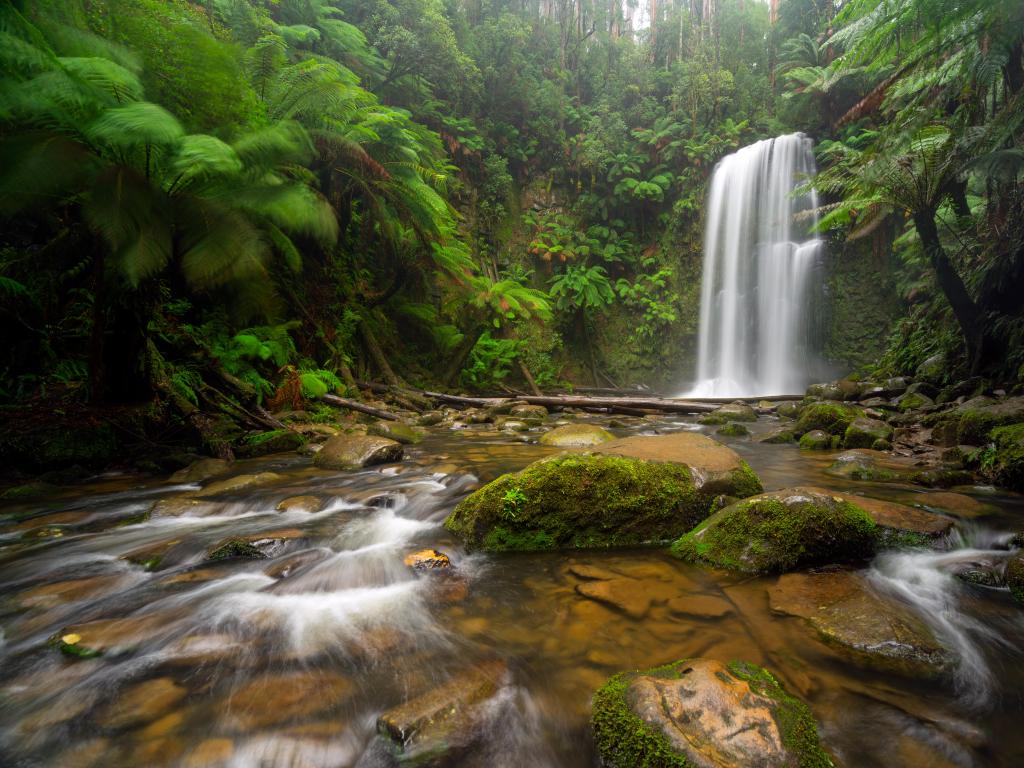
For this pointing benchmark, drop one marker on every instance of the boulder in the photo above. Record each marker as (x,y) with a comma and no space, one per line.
(914,401)
(864,432)
(932,370)
(623,594)
(299,504)
(733,429)
(833,418)
(900,524)
(266,443)
(396,430)
(435,726)
(240,483)
(975,419)
(780,531)
(717,468)
(817,440)
(826,391)
(427,559)
(788,409)
(1015,576)
(780,435)
(737,411)
(200,470)
(846,613)
(700,712)
(862,464)
(1007,465)
(355,451)
(576,436)
(538,412)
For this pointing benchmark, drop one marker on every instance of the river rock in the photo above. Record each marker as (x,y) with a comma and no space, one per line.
(780,531)
(864,432)
(592,572)
(1007,465)
(957,504)
(816,440)
(899,524)
(538,412)
(1015,576)
(240,483)
(829,417)
(443,721)
(395,430)
(143,703)
(63,592)
(733,429)
(626,595)
(576,436)
(914,401)
(648,490)
(700,606)
(700,712)
(778,436)
(299,504)
(278,698)
(102,636)
(738,411)
(200,470)
(788,409)
(933,369)
(427,559)
(862,464)
(846,613)
(356,451)
(826,391)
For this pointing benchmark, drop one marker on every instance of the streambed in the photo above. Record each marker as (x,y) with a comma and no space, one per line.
(291,659)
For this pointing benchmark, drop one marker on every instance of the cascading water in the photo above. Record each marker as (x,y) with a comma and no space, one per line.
(759,260)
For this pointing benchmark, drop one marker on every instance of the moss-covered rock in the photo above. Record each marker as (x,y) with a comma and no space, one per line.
(942,477)
(864,432)
(538,412)
(266,443)
(779,531)
(829,390)
(355,451)
(862,464)
(396,430)
(788,409)
(816,440)
(829,417)
(578,501)
(914,401)
(713,419)
(235,548)
(778,436)
(979,416)
(738,411)
(733,429)
(700,712)
(1006,462)
(1015,576)
(576,436)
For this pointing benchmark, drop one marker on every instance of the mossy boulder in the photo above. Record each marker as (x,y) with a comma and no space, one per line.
(576,436)
(862,464)
(266,443)
(580,501)
(717,468)
(701,712)
(830,417)
(778,436)
(713,419)
(355,451)
(1015,576)
(864,432)
(235,548)
(826,391)
(737,411)
(733,429)
(977,417)
(240,483)
(395,430)
(816,440)
(538,412)
(1006,465)
(900,525)
(780,531)
(914,401)
(788,409)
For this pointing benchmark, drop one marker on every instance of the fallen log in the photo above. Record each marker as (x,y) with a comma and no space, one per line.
(355,405)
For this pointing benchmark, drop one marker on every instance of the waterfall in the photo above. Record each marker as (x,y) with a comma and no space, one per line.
(759,281)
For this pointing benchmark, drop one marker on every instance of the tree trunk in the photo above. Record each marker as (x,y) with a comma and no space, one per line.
(458,359)
(967,314)
(378,355)
(529,379)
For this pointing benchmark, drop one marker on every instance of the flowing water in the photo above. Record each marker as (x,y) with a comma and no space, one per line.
(289,660)
(759,277)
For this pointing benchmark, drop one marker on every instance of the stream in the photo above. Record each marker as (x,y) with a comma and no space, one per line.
(290,660)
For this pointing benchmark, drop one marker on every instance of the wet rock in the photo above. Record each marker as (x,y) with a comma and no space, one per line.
(427,559)
(733,429)
(846,613)
(902,525)
(942,477)
(700,712)
(826,391)
(788,409)
(816,440)
(197,650)
(980,571)
(235,548)
(396,430)
(266,443)
(240,483)
(833,418)
(278,698)
(152,556)
(648,495)
(864,432)
(717,469)
(592,572)
(700,607)
(143,703)
(778,436)
(445,720)
(780,531)
(200,470)
(355,451)
(183,506)
(914,401)
(933,369)
(955,503)
(576,436)
(738,411)
(63,592)
(1015,576)
(210,753)
(513,424)
(1007,464)
(430,418)
(976,418)
(538,412)
(861,464)
(299,504)
(622,594)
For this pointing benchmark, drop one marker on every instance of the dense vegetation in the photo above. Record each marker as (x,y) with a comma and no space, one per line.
(214,209)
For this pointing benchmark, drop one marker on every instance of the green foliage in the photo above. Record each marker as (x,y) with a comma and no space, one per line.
(582,288)
(490,362)
(511,502)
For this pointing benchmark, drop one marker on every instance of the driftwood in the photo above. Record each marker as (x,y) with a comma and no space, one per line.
(355,405)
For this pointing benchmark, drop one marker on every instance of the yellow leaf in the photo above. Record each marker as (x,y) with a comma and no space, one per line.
(71,639)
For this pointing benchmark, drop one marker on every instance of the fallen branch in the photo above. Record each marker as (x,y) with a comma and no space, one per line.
(355,405)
